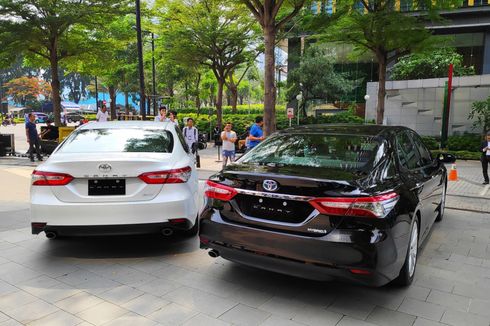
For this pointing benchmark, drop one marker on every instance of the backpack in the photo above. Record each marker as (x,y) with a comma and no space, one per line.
(185,132)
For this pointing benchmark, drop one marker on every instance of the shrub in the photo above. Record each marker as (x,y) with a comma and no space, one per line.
(467,142)
(460,155)
(431,142)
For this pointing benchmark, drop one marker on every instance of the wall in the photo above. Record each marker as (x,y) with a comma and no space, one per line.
(418,104)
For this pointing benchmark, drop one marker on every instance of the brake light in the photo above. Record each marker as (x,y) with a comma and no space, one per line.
(374,206)
(41,178)
(218,191)
(170,176)
(359,271)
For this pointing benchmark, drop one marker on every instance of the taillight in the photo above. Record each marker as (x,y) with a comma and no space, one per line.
(41,178)
(170,176)
(218,191)
(375,206)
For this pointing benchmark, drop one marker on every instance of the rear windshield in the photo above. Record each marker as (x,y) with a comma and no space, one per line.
(347,152)
(119,140)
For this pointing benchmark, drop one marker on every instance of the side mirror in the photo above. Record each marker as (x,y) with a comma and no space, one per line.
(446,158)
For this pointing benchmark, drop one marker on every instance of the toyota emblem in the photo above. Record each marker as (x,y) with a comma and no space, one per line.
(270,185)
(104,167)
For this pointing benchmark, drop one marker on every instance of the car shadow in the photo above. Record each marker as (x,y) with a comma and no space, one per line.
(122,246)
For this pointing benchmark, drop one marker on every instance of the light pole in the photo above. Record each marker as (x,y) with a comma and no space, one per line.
(153,73)
(96,96)
(299,98)
(140,61)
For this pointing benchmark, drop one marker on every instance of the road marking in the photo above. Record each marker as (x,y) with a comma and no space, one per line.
(484,190)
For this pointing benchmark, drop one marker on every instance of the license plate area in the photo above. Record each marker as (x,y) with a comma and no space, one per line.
(107,187)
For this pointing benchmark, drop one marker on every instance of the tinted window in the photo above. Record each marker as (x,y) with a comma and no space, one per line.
(425,157)
(407,153)
(349,152)
(181,139)
(119,140)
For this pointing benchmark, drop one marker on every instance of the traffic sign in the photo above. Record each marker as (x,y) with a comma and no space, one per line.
(290,113)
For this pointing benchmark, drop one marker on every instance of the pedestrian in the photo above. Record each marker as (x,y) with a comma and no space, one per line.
(191,135)
(50,132)
(256,133)
(33,138)
(485,157)
(229,139)
(162,114)
(217,136)
(173,118)
(102,115)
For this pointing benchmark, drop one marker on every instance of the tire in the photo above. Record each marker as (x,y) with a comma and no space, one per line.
(192,232)
(407,273)
(442,204)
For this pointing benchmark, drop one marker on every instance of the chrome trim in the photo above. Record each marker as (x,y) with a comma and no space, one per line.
(273,195)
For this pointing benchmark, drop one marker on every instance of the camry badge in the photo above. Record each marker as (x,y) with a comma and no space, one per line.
(104,167)
(270,185)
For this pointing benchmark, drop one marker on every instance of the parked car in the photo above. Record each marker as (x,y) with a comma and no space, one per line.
(328,201)
(117,178)
(73,117)
(40,117)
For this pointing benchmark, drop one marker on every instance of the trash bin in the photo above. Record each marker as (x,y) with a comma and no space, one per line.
(8,143)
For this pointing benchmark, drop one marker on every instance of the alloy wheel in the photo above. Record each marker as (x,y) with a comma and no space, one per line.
(412,253)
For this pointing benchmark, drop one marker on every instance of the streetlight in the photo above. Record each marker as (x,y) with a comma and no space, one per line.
(366,97)
(140,61)
(299,97)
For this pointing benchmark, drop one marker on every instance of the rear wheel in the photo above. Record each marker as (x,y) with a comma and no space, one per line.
(442,204)
(408,270)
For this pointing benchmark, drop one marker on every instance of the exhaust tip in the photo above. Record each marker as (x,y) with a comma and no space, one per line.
(51,235)
(167,232)
(213,253)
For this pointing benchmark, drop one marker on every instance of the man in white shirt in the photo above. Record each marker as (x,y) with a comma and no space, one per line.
(191,135)
(102,115)
(162,116)
(229,138)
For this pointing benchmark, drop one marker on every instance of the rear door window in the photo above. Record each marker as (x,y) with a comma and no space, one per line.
(407,153)
(425,156)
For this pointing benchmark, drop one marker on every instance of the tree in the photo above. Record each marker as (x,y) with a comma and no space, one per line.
(272,16)
(378,26)
(432,64)
(213,33)
(480,110)
(53,31)
(27,89)
(318,77)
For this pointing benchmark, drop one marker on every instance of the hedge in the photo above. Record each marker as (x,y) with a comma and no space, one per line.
(464,147)
(461,155)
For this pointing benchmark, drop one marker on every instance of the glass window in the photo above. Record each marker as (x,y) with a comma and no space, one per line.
(425,156)
(407,153)
(182,139)
(119,140)
(347,152)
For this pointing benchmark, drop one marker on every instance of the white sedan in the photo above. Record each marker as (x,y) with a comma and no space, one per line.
(117,178)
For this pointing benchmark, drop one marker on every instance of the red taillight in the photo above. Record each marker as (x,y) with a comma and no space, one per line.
(177,221)
(218,191)
(41,178)
(170,176)
(375,206)
(359,271)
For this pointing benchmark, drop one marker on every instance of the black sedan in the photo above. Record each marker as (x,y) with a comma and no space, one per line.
(328,201)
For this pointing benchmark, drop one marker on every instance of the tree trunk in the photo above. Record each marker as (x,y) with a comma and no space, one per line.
(55,84)
(269,83)
(112,96)
(126,102)
(219,103)
(233,92)
(197,90)
(241,100)
(380,110)
(228,97)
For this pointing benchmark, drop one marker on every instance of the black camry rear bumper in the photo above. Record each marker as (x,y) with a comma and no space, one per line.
(346,254)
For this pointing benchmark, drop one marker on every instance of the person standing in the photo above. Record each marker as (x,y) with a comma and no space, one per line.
(162,115)
(485,157)
(191,135)
(256,133)
(102,115)
(173,118)
(33,138)
(229,139)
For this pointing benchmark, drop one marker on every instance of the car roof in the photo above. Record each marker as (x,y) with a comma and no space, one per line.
(127,124)
(347,129)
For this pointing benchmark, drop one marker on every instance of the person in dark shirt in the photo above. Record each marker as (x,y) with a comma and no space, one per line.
(50,132)
(33,138)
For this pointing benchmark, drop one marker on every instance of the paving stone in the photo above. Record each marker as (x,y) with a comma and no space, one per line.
(251,297)
(201,301)
(352,307)
(349,321)
(453,301)
(480,307)
(472,291)
(436,283)
(3,317)
(10,322)
(425,322)
(31,311)
(279,321)
(78,302)
(15,299)
(131,319)
(121,294)
(457,318)
(244,315)
(283,307)
(59,318)
(145,304)
(172,314)
(205,320)
(422,309)
(159,287)
(314,315)
(102,313)
(386,317)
